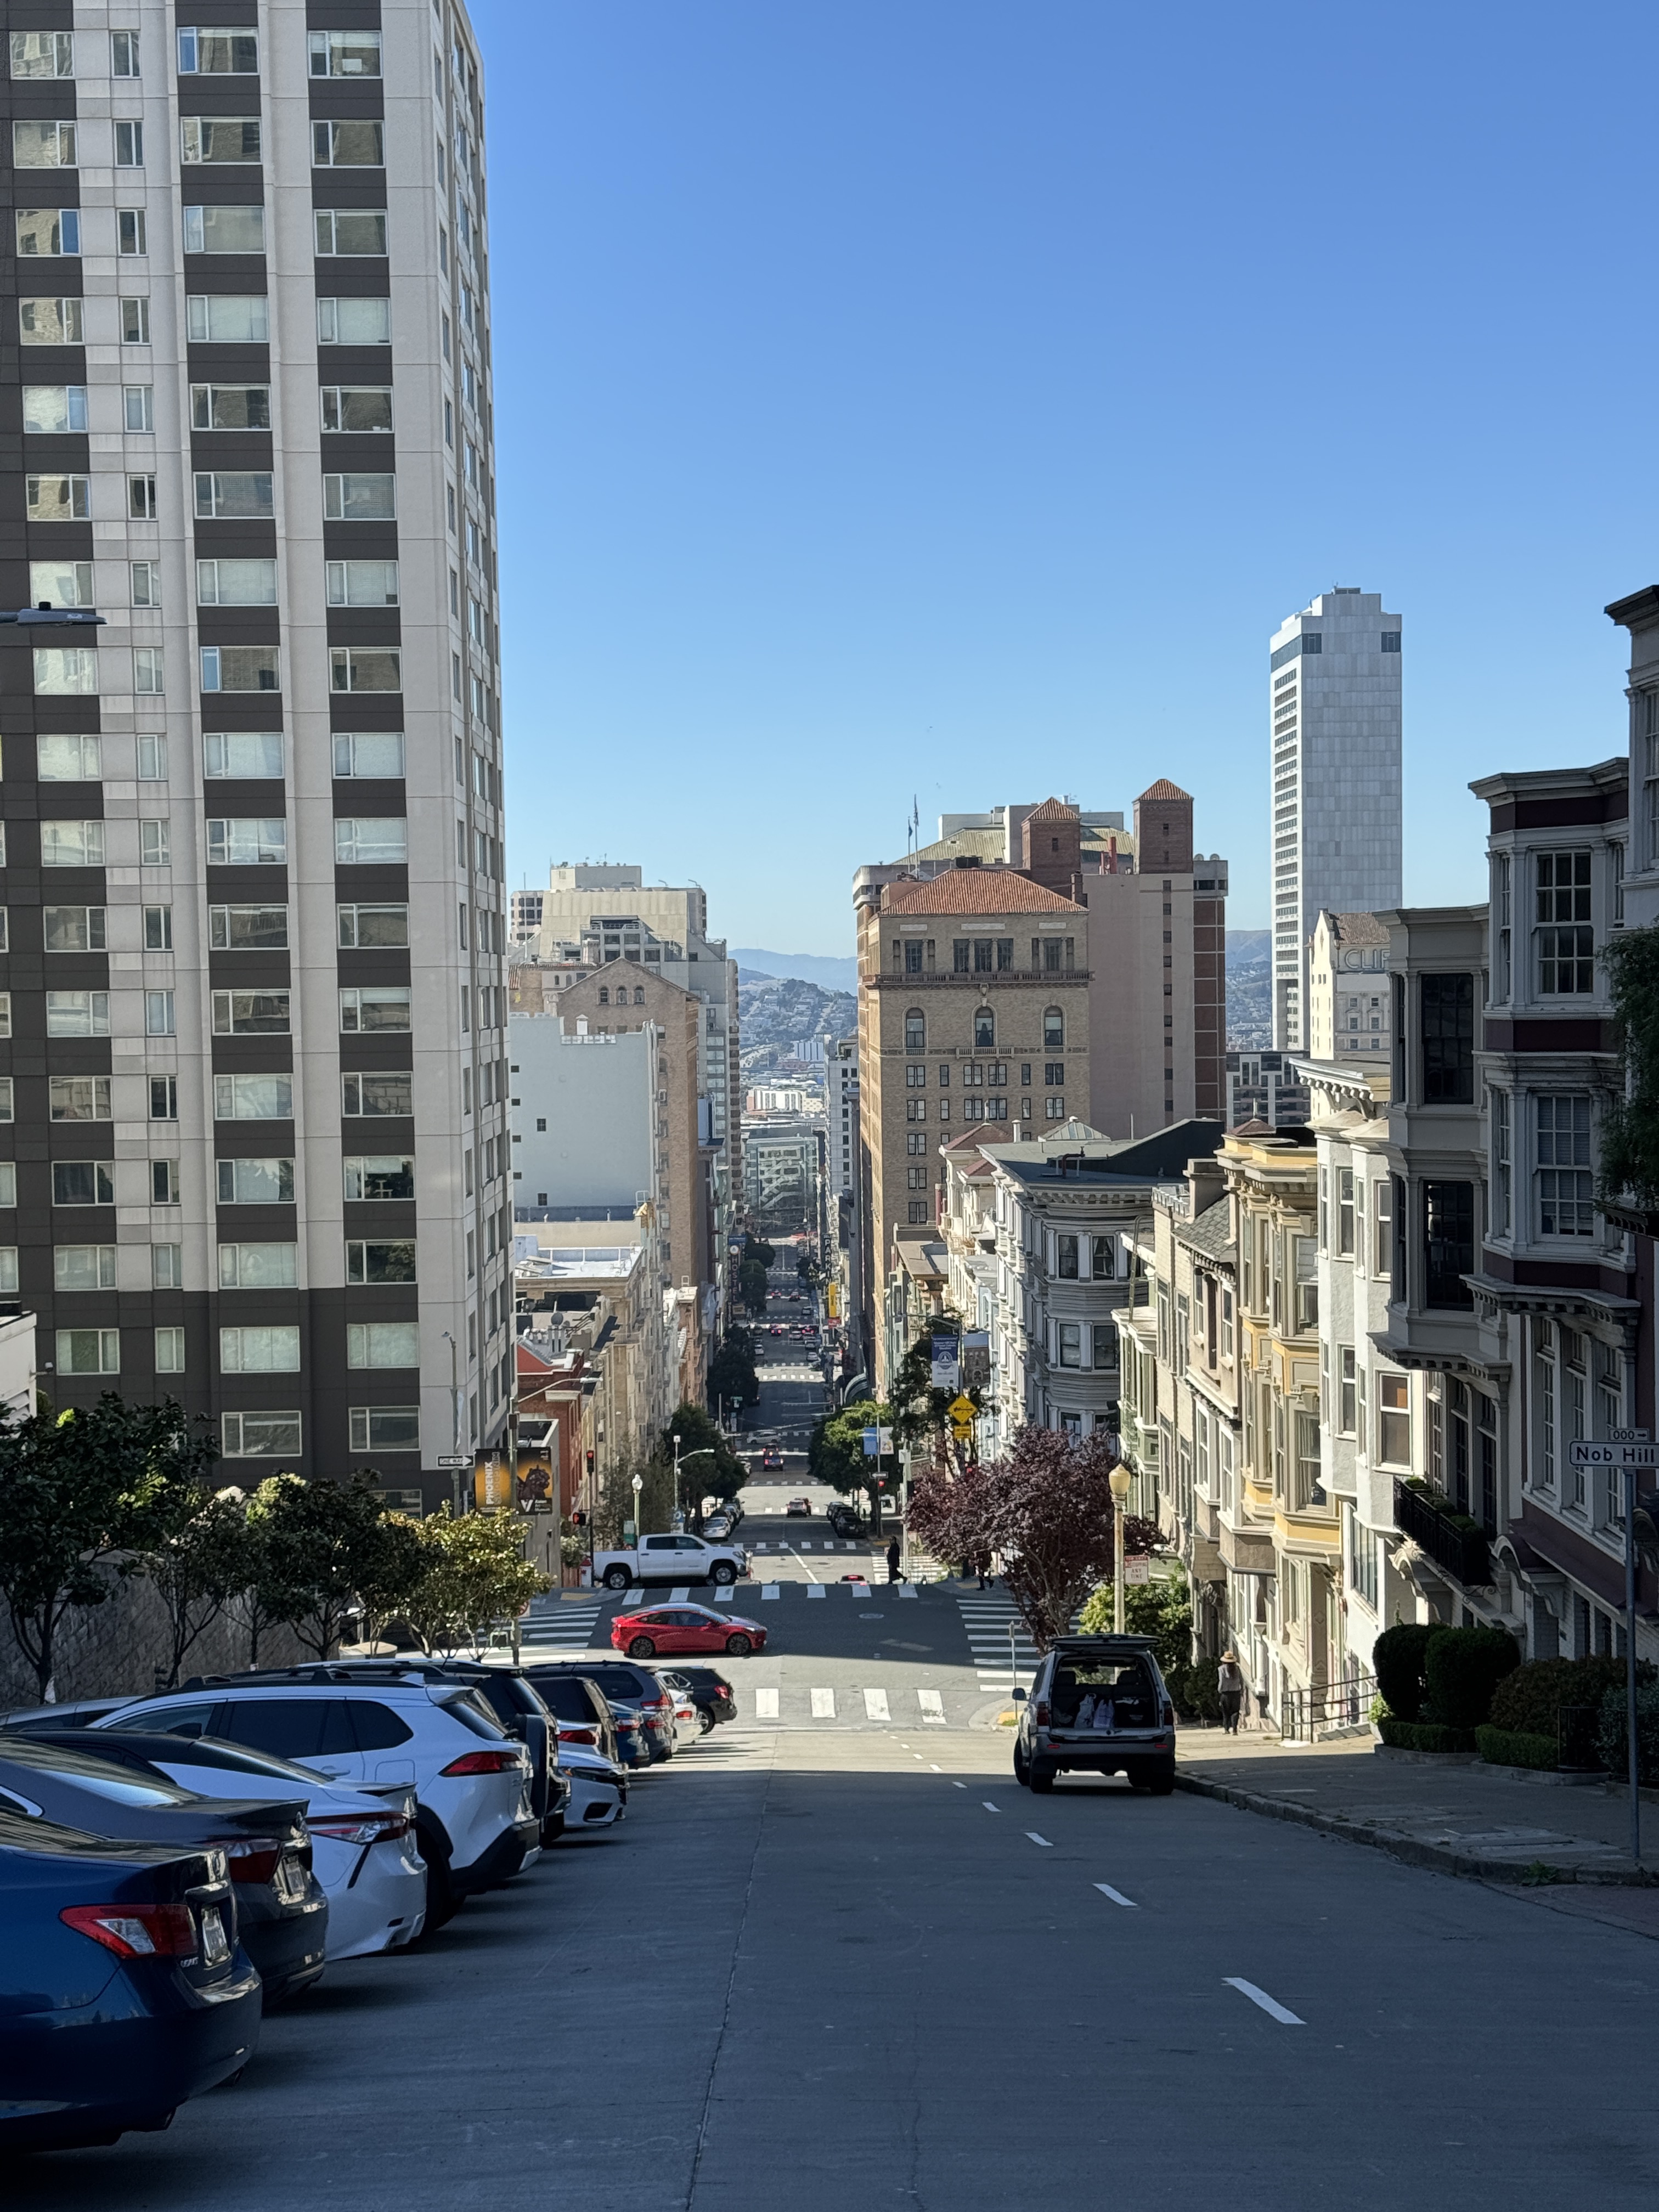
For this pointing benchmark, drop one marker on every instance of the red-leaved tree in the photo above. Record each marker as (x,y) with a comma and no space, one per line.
(1047,1508)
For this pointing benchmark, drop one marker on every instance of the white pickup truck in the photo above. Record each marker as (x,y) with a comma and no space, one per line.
(671,1560)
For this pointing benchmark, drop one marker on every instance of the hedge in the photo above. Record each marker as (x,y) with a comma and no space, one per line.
(1614,1739)
(1515,1748)
(1424,1735)
(1531,1699)
(1464,1667)
(1397,1659)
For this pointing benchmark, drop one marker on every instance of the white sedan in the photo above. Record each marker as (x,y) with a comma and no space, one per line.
(599,1790)
(363,1850)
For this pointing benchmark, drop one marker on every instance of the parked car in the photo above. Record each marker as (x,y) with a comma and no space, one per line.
(583,1719)
(687,1728)
(1098,1705)
(282,1913)
(79,1713)
(599,1790)
(709,1692)
(363,1851)
(672,1558)
(368,1726)
(505,1690)
(124,1990)
(635,1689)
(844,1521)
(671,1628)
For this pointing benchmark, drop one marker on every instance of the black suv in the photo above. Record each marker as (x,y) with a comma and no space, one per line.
(1098,1706)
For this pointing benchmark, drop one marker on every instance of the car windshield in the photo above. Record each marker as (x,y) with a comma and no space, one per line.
(101,1777)
(1101,1693)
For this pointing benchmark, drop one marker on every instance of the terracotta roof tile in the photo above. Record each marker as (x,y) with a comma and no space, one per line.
(975,890)
(1162,789)
(1053,810)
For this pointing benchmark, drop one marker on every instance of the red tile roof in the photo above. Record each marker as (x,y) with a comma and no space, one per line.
(975,891)
(1053,809)
(1164,789)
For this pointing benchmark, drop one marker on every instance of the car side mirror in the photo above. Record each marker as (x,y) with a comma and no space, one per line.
(1019,1696)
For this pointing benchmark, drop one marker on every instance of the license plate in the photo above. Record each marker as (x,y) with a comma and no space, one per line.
(290,1880)
(216,1944)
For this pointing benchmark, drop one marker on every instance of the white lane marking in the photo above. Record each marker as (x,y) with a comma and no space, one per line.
(989,1806)
(823,1705)
(875,1709)
(725,1595)
(806,1547)
(903,1589)
(1260,1997)
(932,1705)
(935,1770)
(1036,1839)
(679,1594)
(766,1704)
(815,1590)
(770,1590)
(1116,1895)
(810,1577)
(958,1785)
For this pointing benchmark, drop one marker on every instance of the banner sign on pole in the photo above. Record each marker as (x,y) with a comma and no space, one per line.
(947,1363)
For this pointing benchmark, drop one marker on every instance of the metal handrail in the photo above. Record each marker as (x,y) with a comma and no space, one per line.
(1303,1713)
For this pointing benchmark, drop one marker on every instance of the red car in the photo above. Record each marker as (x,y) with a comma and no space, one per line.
(675,1628)
(771,1459)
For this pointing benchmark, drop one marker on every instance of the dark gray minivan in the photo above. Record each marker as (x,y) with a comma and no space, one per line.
(1097,1707)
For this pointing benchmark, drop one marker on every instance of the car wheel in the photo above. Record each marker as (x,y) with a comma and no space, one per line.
(705,1720)
(1041,1780)
(642,1647)
(724,1572)
(1162,1785)
(1022,1768)
(616,1578)
(440,1900)
(739,1647)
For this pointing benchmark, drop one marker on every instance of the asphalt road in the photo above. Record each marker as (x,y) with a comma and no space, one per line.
(834,1962)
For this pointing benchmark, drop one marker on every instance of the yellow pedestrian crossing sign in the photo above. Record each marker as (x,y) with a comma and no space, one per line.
(962,1410)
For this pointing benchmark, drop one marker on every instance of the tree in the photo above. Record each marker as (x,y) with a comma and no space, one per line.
(751,1283)
(835,1455)
(1047,1508)
(198,1557)
(79,1492)
(758,1249)
(1163,1609)
(731,1375)
(324,1550)
(1629,1131)
(708,1466)
(264,1603)
(473,1571)
(921,1417)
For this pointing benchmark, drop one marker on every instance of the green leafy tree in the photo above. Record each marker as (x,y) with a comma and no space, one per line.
(708,1466)
(1629,1131)
(264,1604)
(758,1249)
(198,1557)
(473,1572)
(835,1455)
(324,1551)
(81,1494)
(751,1283)
(1162,1609)
(921,1420)
(732,1373)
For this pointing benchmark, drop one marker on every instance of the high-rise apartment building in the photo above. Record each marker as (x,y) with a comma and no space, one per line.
(255,1003)
(1335,716)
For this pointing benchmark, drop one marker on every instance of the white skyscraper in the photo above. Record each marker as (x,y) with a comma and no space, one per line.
(1335,710)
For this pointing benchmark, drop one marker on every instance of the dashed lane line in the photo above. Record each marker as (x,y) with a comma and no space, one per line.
(1270,2005)
(1116,1896)
(1036,1839)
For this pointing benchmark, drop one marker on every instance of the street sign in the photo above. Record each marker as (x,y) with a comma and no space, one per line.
(1136,1568)
(877,1443)
(454,1459)
(1604,1451)
(946,1371)
(961,1411)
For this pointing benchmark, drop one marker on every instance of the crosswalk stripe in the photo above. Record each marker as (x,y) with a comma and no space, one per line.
(904,1590)
(725,1595)
(679,1594)
(815,1590)
(823,1705)
(766,1704)
(932,1705)
(875,1705)
(770,1590)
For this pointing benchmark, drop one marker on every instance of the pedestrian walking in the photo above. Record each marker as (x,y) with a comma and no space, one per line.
(1230,1688)
(893,1574)
(982,1568)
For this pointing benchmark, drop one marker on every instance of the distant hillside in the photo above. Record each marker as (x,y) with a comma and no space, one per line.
(777,1010)
(805,967)
(1249,989)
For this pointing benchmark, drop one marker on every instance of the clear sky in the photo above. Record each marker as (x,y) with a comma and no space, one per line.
(933,397)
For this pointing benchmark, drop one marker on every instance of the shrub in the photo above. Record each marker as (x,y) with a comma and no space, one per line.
(1531,1697)
(1398,1661)
(1514,1747)
(1614,1742)
(1424,1735)
(1193,1691)
(1464,1666)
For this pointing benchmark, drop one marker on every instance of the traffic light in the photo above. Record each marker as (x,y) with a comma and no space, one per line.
(579,1520)
(590,1462)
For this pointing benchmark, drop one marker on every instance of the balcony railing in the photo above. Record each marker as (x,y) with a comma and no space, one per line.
(1449,1538)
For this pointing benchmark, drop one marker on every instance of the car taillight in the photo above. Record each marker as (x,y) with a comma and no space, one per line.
(484,1762)
(254,1862)
(1166,1715)
(579,1735)
(135,1931)
(1042,1712)
(364,1827)
(656,1704)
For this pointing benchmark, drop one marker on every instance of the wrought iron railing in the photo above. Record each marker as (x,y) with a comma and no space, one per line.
(1305,1715)
(1449,1538)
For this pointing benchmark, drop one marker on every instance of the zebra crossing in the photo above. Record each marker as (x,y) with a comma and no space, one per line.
(880,1707)
(998,1639)
(560,1624)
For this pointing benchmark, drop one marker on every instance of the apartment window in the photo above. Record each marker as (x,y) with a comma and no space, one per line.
(78,1098)
(915,1076)
(372,928)
(84,1268)
(247,928)
(145,585)
(985,1030)
(374,1010)
(71,844)
(48,233)
(132,232)
(159,1014)
(917,1210)
(1394,1421)
(260,1435)
(164,1183)
(65,671)
(1104,1345)
(382,1344)
(61,583)
(129,145)
(360,498)
(253,1097)
(258,1266)
(225,319)
(58,499)
(1066,1258)
(1498,1104)
(1382,1216)
(362,584)
(1307,1283)
(256,1183)
(1345,1211)
(391,1261)
(1310,1472)
(1069,1338)
(379,1176)
(250,1013)
(218,54)
(50,409)
(1647,708)
(141,499)
(88,1350)
(42,53)
(1054,1109)
(78,1013)
(1566,1198)
(345,231)
(237,494)
(124,53)
(355,322)
(166,1267)
(164,1099)
(224,229)
(158,929)
(915,1141)
(270,1351)
(241,668)
(247,842)
(915,1110)
(230,407)
(385,1428)
(354,145)
(43,146)
(1346,1385)
(83,1182)
(1544,1372)
(1103,1260)
(134,322)
(1566,941)
(1053,1029)
(365,668)
(218,138)
(345,53)
(389,1095)
(1448,1243)
(170,1350)
(1446,1007)
(247,756)
(371,840)
(155,847)
(915,1031)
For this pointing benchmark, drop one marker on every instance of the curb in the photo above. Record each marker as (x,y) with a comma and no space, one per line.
(1410,1849)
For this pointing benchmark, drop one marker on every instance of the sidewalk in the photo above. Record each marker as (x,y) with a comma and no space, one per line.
(1459,1819)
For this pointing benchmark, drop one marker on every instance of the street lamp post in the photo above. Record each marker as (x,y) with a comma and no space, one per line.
(454,1423)
(639,1485)
(1120,1480)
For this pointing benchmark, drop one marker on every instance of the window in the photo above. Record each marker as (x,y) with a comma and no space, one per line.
(247,928)
(88,1351)
(217,138)
(258,1266)
(1346,1390)
(388,1262)
(131,232)
(78,1013)
(915,1076)
(43,145)
(241,495)
(78,1098)
(164,1188)
(1544,1371)
(382,1344)
(155,850)
(170,1350)
(1307,1282)
(1103,1259)
(385,1428)
(256,1183)
(1069,1340)
(915,1110)
(134,322)
(42,53)
(1053,1029)
(224,319)
(158,929)
(71,844)
(58,499)
(218,54)
(1502,1183)
(259,1436)
(65,671)
(164,1099)
(985,1030)
(247,843)
(83,1182)
(917,1210)
(379,1176)
(390,1094)
(141,499)
(158,1018)
(224,229)
(241,668)
(1345,1211)
(369,1010)
(342,231)
(61,583)
(229,407)
(360,498)
(253,1097)
(1448,1243)
(354,145)
(129,145)
(915,1032)
(48,232)
(250,1013)
(1054,1109)
(49,410)
(1567,1199)
(236,584)
(1065,1257)
(345,53)
(124,53)
(362,584)
(84,1268)
(245,755)
(271,1350)
(166,1267)
(372,840)
(360,668)
(1566,941)
(373,928)
(353,322)
(915,1141)
(1446,1006)
(1394,1421)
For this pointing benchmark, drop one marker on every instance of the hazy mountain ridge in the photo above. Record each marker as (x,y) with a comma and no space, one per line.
(777,1010)
(1249,989)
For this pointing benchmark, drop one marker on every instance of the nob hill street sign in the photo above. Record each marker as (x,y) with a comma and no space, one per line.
(1625,1449)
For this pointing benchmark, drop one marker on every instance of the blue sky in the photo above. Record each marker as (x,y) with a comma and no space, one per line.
(951,398)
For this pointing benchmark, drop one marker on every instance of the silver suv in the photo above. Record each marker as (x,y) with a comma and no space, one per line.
(1098,1706)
